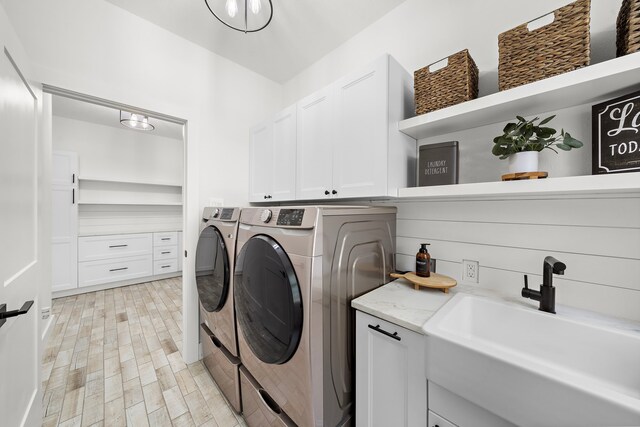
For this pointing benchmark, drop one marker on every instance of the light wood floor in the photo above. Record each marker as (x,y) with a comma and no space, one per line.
(113,359)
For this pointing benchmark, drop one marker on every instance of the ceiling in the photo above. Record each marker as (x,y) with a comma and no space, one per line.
(301,32)
(92,113)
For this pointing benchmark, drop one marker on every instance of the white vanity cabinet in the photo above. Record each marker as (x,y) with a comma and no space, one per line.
(391,386)
(349,145)
(272,154)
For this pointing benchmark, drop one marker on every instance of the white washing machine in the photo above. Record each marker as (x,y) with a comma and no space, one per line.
(215,257)
(297,270)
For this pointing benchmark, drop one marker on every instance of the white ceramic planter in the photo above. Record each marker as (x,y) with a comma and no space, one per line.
(526,161)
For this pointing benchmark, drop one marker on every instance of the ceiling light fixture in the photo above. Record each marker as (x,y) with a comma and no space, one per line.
(246,16)
(135,121)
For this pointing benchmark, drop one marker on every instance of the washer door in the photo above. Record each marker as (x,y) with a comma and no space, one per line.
(268,300)
(212,269)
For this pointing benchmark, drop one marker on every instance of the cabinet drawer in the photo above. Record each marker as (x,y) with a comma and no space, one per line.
(165,252)
(165,266)
(93,248)
(436,420)
(165,239)
(112,270)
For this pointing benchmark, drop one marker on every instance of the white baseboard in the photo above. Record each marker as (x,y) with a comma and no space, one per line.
(105,286)
(47,331)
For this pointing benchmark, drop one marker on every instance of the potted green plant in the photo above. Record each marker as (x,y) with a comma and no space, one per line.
(522,142)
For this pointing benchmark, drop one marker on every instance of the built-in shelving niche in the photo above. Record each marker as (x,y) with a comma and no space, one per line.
(580,89)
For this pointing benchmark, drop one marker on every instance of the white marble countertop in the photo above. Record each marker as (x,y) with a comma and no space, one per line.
(398,302)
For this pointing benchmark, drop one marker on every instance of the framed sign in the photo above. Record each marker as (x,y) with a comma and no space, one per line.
(616,135)
(438,164)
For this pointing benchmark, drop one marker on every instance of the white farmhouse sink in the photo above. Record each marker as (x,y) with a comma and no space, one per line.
(533,368)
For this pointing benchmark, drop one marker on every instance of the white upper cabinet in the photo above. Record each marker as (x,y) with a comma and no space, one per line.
(361,132)
(260,162)
(283,176)
(272,153)
(347,142)
(315,146)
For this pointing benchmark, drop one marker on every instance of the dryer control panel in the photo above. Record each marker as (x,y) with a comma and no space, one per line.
(291,217)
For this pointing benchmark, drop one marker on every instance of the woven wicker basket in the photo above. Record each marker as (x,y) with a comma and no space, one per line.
(628,40)
(453,84)
(561,46)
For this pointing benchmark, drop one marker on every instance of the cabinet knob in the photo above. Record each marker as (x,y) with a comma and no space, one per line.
(265,197)
(326,192)
(334,192)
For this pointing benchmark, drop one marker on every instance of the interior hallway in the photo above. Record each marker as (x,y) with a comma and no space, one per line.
(113,359)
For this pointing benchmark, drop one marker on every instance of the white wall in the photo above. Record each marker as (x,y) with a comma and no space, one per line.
(419,32)
(598,239)
(118,153)
(81,45)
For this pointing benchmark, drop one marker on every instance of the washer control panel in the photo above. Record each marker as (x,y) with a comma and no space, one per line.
(290,217)
(265,216)
(227,214)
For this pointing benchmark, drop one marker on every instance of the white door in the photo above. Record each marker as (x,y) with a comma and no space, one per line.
(260,162)
(361,125)
(314,167)
(64,224)
(283,181)
(20,402)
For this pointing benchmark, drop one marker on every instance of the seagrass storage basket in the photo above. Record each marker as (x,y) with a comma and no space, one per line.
(455,83)
(628,28)
(561,46)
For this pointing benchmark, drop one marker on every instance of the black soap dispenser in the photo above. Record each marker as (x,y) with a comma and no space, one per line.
(423,261)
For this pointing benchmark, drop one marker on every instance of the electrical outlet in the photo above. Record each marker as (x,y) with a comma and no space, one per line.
(470,271)
(45,312)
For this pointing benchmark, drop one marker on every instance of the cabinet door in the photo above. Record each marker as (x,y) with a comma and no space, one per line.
(283,178)
(391,386)
(314,169)
(64,222)
(361,124)
(260,162)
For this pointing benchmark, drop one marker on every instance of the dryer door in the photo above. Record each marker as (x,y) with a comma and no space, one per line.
(212,269)
(268,300)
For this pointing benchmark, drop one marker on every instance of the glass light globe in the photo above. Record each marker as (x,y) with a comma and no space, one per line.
(256,6)
(232,8)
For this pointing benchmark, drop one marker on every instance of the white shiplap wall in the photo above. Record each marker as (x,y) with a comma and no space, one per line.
(598,239)
(119,219)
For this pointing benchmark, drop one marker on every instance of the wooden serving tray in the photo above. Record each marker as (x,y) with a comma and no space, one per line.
(524,175)
(435,281)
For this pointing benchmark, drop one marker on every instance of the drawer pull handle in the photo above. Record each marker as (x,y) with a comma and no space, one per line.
(165,266)
(269,402)
(394,335)
(165,252)
(166,238)
(119,269)
(118,246)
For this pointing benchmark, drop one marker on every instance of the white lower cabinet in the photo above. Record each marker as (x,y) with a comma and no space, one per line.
(436,420)
(92,273)
(391,387)
(136,257)
(449,409)
(165,266)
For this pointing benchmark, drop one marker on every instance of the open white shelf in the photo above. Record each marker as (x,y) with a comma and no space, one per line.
(123,203)
(130,181)
(585,85)
(595,185)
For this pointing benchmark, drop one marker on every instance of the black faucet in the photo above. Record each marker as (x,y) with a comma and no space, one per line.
(547,293)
